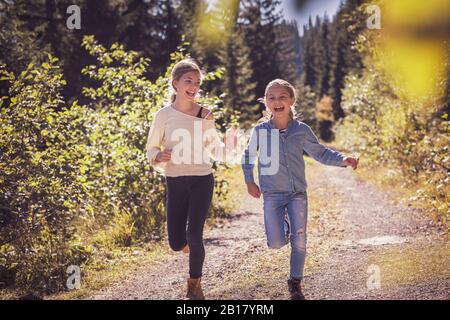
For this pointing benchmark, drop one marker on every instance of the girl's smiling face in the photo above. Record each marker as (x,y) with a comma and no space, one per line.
(279,101)
(188,86)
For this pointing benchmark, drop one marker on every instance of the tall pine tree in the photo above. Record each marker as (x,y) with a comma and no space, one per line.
(237,81)
(258,21)
(288,55)
(345,58)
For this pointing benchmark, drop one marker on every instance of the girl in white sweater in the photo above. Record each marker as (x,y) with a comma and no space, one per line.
(181,142)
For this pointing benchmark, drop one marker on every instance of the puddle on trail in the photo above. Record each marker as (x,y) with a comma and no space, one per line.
(381,240)
(377,241)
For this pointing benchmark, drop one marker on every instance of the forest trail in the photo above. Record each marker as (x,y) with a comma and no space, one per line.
(361,245)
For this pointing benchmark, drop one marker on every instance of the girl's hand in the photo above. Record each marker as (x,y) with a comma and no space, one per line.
(231,139)
(253,190)
(164,156)
(352,162)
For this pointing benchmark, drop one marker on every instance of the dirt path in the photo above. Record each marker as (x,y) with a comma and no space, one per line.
(395,241)
(226,245)
(355,233)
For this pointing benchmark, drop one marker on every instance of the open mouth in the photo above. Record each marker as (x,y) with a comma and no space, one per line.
(278,109)
(190,94)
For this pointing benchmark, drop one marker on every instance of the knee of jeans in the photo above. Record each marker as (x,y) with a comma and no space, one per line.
(298,240)
(275,244)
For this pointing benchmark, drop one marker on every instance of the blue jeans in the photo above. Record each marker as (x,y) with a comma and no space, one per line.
(285,219)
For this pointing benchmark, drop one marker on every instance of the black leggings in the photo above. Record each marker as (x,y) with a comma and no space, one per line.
(188,202)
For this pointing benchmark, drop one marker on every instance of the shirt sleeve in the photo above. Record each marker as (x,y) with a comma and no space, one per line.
(319,152)
(155,139)
(249,157)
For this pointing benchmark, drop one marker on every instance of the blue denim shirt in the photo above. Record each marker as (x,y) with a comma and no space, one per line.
(281,167)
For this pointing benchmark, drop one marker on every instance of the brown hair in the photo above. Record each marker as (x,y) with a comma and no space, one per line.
(180,68)
(289,88)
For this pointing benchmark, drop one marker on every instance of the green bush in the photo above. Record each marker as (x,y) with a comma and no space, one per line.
(74,180)
(392,128)
(38,169)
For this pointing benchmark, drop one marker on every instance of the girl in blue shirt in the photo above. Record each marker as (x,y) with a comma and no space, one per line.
(278,144)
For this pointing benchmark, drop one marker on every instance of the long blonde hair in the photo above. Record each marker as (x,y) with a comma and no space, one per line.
(180,68)
(267,115)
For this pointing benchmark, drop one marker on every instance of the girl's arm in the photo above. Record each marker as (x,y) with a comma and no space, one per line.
(319,152)
(214,144)
(155,138)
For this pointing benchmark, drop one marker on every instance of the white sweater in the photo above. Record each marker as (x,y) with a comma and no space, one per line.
(193,141)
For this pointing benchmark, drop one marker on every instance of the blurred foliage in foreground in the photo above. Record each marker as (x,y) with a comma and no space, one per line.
(74,180)
(397,108)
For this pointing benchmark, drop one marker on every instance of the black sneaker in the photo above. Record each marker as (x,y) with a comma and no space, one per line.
(295,289)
